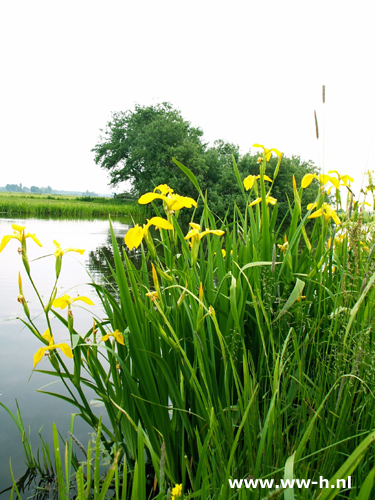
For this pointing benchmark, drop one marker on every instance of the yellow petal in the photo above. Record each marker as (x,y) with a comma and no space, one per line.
(62,302)
(277,152)
(5,241)
(149,197)
(164,189)
(177,202)
(307,179)
(33,237)
(105,337)
(255,202)
(18,228)
(195,226)
(270,199)
(176,491)
(248,182)
(119,337)
(134,237)
(39,354)
(318,213)
(336,218)
(86,300)
(310,206)
(47,335)
(266,178)
(335,182)
(159,222)
(58,250)
(78,250)
(324,178)
(217,232)
(346,179)
(191,234)
(65,349)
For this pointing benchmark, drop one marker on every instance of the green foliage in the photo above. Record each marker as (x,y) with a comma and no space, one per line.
(15,188)
(236,354)
(138,146)
(52,477)
(67,206)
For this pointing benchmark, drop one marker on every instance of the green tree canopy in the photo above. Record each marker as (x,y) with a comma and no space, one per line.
(139,145)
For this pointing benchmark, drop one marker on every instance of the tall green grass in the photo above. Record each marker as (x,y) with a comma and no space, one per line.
(257,361)
(68,206)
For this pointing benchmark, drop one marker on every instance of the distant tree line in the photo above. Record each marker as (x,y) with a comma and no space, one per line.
(19,188)
(138,146)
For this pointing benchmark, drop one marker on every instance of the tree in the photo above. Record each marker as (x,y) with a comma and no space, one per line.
(138,146)
(222,187)
(15,188)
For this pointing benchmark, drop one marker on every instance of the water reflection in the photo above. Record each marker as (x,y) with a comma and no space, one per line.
(18,345)
(101,260)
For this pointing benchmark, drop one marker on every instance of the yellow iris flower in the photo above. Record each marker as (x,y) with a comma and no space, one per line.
(268,152)
(51,346)
(325,210)
(344,180)
(177,491)
(117,335)
(135,235)
(19,234)
(196,234)
(65,300)
(59,252)
(172,200)
(248,182)
(269,199)
(322,178)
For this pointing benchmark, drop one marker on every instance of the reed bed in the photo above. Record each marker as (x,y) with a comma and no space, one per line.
(234,352)
(64,206)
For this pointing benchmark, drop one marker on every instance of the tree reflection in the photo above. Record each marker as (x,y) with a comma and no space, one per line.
(101,260)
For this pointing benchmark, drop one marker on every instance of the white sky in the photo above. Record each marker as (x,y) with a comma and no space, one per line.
(244,71)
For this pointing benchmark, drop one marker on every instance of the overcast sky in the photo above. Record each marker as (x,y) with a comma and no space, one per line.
(244,71)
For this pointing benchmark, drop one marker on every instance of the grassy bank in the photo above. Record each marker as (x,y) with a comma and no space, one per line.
(69,206)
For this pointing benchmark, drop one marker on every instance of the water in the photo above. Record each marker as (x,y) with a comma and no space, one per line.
(18,344)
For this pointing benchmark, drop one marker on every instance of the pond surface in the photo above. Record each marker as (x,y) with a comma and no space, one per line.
(18,344)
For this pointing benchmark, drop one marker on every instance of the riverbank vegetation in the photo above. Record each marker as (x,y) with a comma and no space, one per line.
(138,145)
(22,204)
(237,351)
